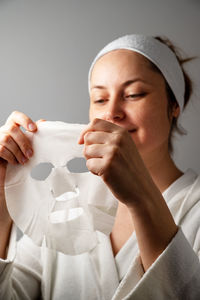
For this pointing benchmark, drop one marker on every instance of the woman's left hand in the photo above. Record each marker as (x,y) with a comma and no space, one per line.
(111,153)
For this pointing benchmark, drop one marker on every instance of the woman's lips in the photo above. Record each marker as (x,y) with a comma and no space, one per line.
(132,130)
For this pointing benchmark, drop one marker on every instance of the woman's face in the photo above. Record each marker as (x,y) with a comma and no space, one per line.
(125,90)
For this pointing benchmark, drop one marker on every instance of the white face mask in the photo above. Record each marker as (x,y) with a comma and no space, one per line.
(65,210)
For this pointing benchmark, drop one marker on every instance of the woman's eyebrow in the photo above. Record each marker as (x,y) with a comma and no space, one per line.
(129,82)
(101,87)
(124,84)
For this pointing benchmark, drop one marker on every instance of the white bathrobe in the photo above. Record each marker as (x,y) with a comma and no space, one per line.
(30,272)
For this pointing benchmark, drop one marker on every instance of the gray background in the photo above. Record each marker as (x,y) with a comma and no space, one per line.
(46,48)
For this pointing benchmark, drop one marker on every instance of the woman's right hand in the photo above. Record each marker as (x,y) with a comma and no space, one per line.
(15,148)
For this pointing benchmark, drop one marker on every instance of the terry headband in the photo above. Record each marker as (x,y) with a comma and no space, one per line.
(158,53)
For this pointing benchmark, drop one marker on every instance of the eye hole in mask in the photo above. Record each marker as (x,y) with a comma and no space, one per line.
(77,165)
(41,171)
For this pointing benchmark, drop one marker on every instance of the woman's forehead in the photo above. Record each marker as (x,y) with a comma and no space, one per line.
(121,64)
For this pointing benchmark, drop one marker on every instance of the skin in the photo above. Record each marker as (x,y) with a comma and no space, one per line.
(15,148)
(126,144)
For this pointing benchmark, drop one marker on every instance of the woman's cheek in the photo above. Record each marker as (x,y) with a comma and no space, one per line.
(148,131)
(153,134)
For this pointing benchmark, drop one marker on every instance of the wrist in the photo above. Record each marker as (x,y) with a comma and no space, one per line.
(154,227)
(4,214)
(152,209)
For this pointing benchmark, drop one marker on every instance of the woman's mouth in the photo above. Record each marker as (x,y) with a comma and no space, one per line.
(132,130)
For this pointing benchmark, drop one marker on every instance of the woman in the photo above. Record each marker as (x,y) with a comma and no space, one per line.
(137,89)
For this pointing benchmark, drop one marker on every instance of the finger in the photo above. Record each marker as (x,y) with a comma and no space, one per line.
(95,166)
(83,132)
(94,151)
(20,139)
(7,155)
(7,141)
(96,137)
(98,125)
(21,119)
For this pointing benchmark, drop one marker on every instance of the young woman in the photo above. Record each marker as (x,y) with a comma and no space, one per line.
(137,89)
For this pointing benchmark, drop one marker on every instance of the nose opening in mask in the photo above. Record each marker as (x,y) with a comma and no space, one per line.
(61,211)
(68,195)
(41,171)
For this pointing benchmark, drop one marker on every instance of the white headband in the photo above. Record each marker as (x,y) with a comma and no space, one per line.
(158,53)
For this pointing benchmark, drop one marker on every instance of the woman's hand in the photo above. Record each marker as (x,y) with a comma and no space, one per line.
(112,154)
(15,148)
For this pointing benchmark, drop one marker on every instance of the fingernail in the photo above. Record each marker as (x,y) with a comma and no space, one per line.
(29,153)
(79,140)
(32,126)
(24,160)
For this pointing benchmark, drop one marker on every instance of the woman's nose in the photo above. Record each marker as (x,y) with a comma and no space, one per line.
(114,112)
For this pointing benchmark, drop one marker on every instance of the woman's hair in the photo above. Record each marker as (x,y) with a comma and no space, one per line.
(171,98)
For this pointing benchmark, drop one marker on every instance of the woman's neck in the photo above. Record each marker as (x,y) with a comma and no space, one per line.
(162,169)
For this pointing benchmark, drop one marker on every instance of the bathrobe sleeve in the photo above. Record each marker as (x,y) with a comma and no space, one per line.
(176,272)
(174,275)
(20,280)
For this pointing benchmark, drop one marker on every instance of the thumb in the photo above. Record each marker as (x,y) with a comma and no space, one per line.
(83,132)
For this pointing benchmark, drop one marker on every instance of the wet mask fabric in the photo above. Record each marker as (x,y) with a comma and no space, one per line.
(64,211)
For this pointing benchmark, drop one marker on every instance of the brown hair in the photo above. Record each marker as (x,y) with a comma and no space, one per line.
(171,97)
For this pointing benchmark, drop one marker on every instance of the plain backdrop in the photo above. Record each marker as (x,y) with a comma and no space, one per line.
(46,48)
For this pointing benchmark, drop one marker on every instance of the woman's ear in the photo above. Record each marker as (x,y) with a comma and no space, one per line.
(176,111)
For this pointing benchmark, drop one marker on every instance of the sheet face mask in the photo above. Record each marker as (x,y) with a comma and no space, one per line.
(65,210)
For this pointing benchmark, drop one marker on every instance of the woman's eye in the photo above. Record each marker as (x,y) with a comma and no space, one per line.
(99,101)
(133,96)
